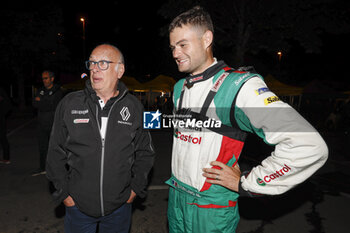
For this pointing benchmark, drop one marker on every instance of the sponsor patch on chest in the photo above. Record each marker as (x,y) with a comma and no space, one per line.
(125,114)
(81,121)
(187,138)
(79,112)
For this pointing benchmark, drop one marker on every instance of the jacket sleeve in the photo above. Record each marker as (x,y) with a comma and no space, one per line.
(144,158)
(57,155)
(299,149)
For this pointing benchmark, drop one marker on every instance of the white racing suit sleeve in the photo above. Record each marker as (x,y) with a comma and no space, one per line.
(299,149)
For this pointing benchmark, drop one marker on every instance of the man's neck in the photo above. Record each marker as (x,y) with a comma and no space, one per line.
(210,62)
(49,87)
(107,95)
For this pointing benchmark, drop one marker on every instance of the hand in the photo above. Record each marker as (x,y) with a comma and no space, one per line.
(69,202)
(132,197)
(37,98)
(227,177)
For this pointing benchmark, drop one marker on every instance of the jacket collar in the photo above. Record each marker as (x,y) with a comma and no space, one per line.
(90,92)
(53,89)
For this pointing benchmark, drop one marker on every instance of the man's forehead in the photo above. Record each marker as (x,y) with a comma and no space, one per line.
(184,32)
(45,74)
(104,52)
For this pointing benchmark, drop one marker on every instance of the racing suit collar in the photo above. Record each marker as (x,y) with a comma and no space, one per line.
(208,73)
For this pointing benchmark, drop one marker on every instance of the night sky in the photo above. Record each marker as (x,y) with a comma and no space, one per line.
(134,27)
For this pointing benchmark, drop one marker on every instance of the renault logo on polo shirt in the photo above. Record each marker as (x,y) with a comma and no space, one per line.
(125,113)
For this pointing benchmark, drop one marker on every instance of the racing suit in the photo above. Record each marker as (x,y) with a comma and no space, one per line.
(242,103)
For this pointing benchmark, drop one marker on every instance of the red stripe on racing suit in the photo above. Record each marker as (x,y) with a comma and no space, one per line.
(213,206)
(229,148)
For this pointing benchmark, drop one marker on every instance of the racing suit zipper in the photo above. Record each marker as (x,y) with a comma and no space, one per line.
(103,139)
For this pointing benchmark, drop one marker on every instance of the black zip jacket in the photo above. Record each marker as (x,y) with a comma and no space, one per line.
(49,99)
(5,103)
(99,174)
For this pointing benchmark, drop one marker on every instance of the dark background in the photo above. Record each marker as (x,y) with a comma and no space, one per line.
(313,37)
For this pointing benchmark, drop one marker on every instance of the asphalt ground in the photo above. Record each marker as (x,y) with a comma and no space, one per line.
(320,204)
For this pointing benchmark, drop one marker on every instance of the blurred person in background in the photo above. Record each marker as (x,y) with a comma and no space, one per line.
(5,108)
(45,101)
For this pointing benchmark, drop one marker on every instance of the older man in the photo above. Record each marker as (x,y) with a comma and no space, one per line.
(99,155)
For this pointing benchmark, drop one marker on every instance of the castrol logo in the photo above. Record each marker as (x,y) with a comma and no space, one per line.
(187,138)
(267,179)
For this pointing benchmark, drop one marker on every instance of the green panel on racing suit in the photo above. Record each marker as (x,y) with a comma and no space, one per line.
(177,90)
(215,209)
(195,211)
(245,125)
(223,103)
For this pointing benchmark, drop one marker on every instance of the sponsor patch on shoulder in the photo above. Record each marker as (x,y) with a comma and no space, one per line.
(261,90)
(78,121)
(271,99)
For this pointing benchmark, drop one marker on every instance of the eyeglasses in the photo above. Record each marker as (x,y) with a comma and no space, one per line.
(102,65)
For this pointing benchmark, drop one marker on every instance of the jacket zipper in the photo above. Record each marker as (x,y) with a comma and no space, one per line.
(103,139)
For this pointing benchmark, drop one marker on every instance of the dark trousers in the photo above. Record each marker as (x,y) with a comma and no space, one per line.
(116,222)
(3,139)
(43,139)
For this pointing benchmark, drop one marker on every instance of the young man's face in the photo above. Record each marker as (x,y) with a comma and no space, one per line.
(189,49)
(47,80)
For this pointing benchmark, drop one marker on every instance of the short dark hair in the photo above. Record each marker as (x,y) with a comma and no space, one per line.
(196,16)
(51,73)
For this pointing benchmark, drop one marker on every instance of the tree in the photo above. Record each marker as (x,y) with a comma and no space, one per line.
(244,26)
(32,39)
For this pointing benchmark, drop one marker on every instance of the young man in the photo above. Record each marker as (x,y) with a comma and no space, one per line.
(206,180)
(98,135)
(45,101)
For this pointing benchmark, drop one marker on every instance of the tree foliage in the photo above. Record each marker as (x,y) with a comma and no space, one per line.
(32,39)
(243,26)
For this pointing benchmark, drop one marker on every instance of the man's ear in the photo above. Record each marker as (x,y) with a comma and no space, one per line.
(120,68)
(208,38)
